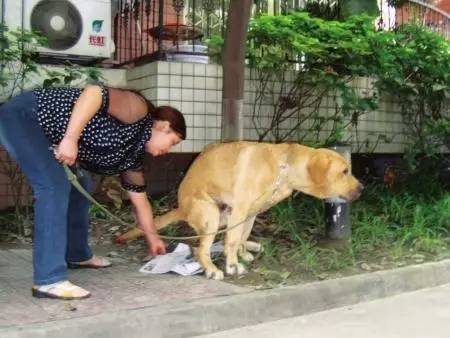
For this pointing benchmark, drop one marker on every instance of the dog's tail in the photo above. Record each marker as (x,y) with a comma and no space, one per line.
(160,223)
(168,218)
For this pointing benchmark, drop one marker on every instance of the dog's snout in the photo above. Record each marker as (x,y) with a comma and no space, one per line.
(360,188)
(356,193)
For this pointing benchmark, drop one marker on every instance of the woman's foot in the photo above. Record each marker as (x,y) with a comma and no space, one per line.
(96,262)
(62,290)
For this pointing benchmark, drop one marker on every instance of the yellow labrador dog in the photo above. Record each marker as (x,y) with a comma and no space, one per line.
(231,183)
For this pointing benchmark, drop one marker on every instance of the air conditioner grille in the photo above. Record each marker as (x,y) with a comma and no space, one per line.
(59,21)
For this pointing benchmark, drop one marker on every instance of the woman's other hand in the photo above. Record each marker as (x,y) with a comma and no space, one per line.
(83,111)
(67,151)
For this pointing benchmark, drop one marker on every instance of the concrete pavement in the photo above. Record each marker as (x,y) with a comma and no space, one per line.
(129,304)
(119,288)
(419,314)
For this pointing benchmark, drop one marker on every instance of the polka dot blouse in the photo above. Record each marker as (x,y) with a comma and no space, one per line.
(107,146)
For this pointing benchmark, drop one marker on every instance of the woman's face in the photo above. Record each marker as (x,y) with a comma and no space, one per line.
(162,140)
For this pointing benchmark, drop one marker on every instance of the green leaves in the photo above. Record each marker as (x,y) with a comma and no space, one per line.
(341,9)
(278,40)
(19,65)
(412,62)
(321,57)
(439,87)
(355,7)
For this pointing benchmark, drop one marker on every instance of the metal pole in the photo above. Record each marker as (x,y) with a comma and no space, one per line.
(337,211)
(160,29)
(3,11)
(233,70)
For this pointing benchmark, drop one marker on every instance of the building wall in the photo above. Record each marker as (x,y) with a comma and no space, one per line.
(196,90)
(444,5)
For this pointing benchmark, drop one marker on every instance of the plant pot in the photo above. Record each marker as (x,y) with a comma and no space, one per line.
(188,53)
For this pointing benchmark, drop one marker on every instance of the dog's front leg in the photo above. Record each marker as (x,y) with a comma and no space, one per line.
(233,241)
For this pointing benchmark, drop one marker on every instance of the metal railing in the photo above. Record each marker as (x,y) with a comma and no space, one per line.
(148,30)
(153,29)
(427,13)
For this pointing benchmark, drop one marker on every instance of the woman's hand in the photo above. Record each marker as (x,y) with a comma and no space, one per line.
(157,246)
(66,152)
(144,215)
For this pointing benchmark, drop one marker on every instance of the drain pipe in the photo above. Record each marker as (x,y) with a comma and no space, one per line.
(337,211)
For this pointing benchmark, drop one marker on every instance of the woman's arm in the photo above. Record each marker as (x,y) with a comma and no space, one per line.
(84,109)
(144,215)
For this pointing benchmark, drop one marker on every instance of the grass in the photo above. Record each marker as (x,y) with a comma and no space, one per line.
(389,228)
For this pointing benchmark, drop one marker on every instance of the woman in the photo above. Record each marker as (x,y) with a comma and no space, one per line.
(104,130)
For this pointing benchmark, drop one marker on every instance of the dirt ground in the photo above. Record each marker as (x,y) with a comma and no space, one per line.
(265,272)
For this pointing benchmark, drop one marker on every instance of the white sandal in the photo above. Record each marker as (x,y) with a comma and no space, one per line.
(62,290)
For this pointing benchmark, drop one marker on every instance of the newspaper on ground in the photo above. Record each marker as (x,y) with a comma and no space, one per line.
(180,261)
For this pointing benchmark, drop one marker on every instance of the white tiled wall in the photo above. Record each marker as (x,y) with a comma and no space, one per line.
(196,90)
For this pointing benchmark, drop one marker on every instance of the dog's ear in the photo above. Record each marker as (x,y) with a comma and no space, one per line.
(318,166)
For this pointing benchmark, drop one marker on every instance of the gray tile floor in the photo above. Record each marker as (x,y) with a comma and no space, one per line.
(120,287)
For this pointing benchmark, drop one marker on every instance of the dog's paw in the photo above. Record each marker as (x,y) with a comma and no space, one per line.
(214,274)
(254,246)
(235,269)
(246,256)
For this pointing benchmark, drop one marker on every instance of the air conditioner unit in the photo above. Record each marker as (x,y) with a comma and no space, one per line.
(75,29)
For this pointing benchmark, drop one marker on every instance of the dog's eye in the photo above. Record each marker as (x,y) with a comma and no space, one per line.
(345,172)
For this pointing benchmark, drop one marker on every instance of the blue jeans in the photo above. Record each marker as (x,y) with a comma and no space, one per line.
(61,213)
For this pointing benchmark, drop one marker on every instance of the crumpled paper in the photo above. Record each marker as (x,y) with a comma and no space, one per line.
(180,261)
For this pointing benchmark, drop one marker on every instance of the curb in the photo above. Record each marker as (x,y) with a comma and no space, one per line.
(223,313)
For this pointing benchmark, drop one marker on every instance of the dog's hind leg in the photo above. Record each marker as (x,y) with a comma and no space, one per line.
(243,251)
(204,218)
(254,246)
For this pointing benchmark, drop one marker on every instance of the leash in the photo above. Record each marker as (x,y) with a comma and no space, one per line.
(73,179)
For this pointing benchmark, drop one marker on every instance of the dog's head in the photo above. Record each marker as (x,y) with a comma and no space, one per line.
(326,174)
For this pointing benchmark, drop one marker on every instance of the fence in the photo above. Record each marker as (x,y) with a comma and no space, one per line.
(420,12)
(149,30)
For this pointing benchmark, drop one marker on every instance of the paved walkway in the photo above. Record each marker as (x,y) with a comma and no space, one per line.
(420,314)
(129,304)
(120,287)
